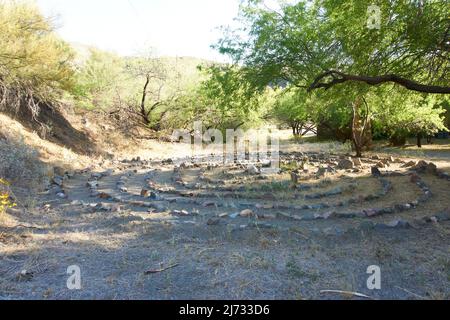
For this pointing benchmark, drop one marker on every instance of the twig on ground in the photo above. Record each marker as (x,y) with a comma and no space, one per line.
(411,293)
(162,269)
(350,293)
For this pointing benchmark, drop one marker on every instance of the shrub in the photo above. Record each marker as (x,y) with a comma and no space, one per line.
(5,199)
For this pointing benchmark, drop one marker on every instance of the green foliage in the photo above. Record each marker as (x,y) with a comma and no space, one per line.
(399,115)
(300,41)
(99,80)
(35,65)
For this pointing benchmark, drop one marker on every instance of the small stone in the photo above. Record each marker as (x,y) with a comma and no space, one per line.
(345,164)
(325,216)
(58,180)
(209,204)
(213,222)
(381,165)
(409,164)
(371,212)
(376,172)
(234,215)
(253,170)
(103,195)
(145,193)
(223,215)
(92,184)
(123,189)
(96,175)
(61,195)
(246,213)
(431,168)
(398,224)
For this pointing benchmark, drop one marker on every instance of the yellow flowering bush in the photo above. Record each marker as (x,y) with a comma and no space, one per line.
(5,201)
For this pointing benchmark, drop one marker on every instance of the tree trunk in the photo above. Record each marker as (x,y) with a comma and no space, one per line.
(357,130)
(144,113)
(419,140)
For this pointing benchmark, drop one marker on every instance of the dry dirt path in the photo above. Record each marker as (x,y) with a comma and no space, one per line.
(227,232)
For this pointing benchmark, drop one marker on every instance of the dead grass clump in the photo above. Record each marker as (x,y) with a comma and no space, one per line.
(20,164)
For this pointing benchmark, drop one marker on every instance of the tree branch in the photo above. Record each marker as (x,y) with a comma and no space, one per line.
(338,77)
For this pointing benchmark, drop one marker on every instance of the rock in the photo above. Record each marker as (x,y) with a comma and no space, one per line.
(372,212)
(103,195)
(180,213)
(376,172)
(223,215)
(376,157)
(409,164)
(381,165)
(58,180)
(76,203)
(209,204)
(145,193)
(398,224)
(325,216)
(123,189)
(92,184)
(253,170)
(234,215)
(357,162)
(246,213)
(96,175)
(213,222)
(61,195)
(431,168)
(391,159)
(345,164)
(266,163)
(321,172)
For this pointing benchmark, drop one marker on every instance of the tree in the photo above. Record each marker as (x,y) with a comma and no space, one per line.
(400,114)
(100,80)
(293,108)
(322,43)
(35,65)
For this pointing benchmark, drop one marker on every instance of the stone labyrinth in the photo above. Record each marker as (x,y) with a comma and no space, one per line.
(324,193)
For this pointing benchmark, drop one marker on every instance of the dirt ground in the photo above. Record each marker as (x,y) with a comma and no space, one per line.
(224,232)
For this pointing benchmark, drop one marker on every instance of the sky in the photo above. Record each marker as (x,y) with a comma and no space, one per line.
(127,27)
